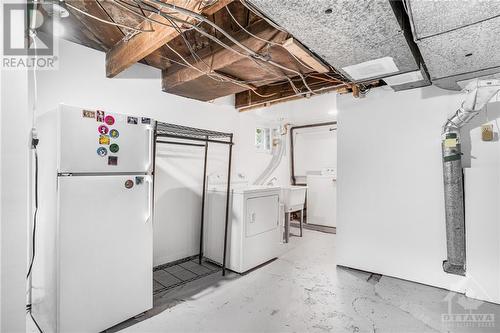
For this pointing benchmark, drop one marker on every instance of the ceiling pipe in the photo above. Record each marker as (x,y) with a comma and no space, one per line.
(478,94)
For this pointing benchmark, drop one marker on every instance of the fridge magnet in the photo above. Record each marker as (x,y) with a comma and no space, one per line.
(103,129)
(101,151)
(129,183)
(114,133)
(132,120)
(104,140)
(109,120)
(100,116)
(112,160)
(139,180)
(145,120)
(88,114)
(114,148)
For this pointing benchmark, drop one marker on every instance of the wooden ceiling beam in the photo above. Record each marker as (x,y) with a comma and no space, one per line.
(220,57)
(283,92)
(302,53)
(106,33)
(127,52)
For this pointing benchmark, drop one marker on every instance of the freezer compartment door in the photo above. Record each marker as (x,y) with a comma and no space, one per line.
(105,251)
(92,141)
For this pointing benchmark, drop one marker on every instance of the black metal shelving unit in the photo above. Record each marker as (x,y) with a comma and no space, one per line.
(172,134)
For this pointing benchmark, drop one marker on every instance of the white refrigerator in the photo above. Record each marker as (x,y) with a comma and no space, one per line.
(94,255)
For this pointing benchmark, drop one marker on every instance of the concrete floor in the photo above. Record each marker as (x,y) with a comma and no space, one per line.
(303,291)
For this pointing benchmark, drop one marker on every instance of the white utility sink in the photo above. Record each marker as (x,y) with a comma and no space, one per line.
(293,197)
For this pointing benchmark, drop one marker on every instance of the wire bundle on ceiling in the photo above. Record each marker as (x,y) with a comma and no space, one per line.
(171,13)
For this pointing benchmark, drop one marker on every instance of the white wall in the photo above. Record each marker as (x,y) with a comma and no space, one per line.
(390,185)
(15,135)
(482,194)
(15,125)
(81,81)
(320,108)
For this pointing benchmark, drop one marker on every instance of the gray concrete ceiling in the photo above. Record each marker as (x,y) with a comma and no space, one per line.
(353,32)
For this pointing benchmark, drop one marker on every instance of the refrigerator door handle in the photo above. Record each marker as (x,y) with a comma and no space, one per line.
(149,198)
(150,148)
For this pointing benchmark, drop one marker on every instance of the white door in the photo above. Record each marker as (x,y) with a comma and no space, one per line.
(260,241)
(105,251)
(93,141)
(262,214)
(321,200)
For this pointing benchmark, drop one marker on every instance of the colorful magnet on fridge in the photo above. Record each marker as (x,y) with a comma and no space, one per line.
(145,120)
(112,160)
(114,148)
(99,116)
(132,120)
(139,180)
(101,151)
(129,183)
(110,120)
(103,129)
(114,133)
(104,140)
(88,114)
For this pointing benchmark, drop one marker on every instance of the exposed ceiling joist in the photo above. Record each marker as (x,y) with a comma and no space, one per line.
(299,50)
(107,34)
(219,57)
(127,52)
(278,93)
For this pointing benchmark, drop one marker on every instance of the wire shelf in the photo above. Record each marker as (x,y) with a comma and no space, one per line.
(185,132)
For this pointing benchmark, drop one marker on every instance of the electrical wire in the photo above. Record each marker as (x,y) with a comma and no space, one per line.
(256,12)
(268,41)
(223,78)
(36,323)
(147,18)
(252,55)
(195,56)
(250,52)
(106,21)
(33,250)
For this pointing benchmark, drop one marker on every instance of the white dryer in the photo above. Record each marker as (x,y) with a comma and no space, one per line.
(254,230)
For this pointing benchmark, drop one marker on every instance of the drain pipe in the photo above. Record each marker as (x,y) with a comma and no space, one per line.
(478,94)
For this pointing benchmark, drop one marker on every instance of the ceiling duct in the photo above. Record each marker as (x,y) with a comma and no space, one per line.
(362,39)
(458,40)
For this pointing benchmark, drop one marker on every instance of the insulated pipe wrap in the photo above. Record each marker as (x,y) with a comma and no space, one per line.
(479,93)
(454,207)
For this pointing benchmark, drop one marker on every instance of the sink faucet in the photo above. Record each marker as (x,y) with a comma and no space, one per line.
(271,182)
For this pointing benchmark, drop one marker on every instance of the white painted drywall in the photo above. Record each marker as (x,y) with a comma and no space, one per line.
(317,109)
(390,185)
(482,195)
(315,148)
(81,81)
(15,125)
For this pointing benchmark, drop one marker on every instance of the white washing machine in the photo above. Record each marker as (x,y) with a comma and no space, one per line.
(254,230)
(322,198)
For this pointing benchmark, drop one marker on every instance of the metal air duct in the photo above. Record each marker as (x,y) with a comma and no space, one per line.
(479,93)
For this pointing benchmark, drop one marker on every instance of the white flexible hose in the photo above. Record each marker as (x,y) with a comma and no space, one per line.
(273,164)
